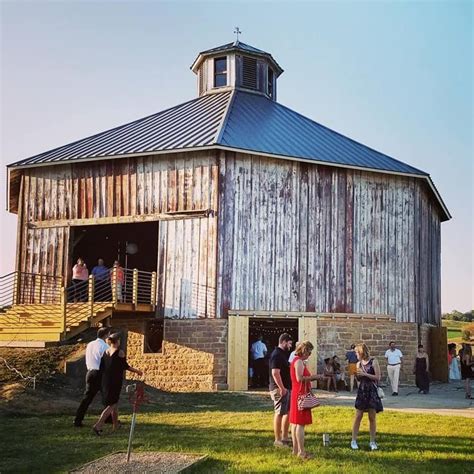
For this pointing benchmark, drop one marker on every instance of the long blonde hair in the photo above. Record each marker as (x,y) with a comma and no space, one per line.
(361,348)
(304,348)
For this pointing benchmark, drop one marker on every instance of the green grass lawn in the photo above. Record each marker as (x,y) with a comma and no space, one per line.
(235,431)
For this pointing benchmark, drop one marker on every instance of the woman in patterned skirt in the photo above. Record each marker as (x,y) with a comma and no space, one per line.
(367,400)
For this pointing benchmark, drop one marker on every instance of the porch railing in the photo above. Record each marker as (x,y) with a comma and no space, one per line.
(80,300)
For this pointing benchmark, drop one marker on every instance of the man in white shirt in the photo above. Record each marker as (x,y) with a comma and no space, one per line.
(94,352)
(394,361)
(258,351)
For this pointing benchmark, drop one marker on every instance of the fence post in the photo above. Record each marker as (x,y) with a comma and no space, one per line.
(38,283)
(16,289)
(153,289)
(135,287)
(90,292)
(63,301)
(114,285)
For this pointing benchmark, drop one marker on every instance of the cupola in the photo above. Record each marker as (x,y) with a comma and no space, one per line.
(236,66)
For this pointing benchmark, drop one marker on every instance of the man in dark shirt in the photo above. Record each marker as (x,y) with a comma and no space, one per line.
(280,389)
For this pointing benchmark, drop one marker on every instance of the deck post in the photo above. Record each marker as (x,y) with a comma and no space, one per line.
(38,289)
(63,302)
(114,285)
(135,287)
(16,289)
(153,289)
(90,292)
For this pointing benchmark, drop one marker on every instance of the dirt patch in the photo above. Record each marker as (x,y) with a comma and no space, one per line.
(146,462)
(42,363)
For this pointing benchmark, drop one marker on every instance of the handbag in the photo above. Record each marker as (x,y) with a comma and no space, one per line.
(307,401)
(380,392)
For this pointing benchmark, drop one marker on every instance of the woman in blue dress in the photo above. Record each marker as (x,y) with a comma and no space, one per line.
(367,400)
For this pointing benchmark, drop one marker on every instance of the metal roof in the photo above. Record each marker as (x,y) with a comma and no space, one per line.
(238,120)
(256,123)
(189,125)
(234,45)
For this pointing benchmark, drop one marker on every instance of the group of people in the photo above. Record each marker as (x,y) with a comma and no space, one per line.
(102,274)
(106,364)
(461,366)
(289,380)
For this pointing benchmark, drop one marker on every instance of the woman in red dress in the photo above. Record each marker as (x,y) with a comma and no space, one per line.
(300,383)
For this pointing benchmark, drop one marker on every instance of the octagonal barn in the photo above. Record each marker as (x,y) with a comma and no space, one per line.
(244,217)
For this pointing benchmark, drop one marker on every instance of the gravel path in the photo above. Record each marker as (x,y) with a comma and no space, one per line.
(146,462)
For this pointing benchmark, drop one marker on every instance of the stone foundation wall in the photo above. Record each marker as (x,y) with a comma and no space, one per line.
(336,336)
(193,356)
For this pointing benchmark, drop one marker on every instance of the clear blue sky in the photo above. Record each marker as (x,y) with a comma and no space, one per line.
(394,75)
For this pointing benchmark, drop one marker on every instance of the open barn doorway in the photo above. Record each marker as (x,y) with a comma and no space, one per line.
(133,245)
(269,330)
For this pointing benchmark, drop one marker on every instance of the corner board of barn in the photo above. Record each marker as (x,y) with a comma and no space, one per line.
(229,217)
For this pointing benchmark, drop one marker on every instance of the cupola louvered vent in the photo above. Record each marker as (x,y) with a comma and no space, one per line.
(202,79)
(249,73)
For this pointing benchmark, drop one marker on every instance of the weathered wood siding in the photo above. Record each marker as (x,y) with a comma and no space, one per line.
(130,187)
(302,237)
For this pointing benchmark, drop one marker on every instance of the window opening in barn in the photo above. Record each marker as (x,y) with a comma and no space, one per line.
(270,82)
(154,331)
(249,72)
(270,330)
(220,72)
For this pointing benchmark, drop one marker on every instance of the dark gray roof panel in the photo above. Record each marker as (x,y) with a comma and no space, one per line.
(256,123)
(192,124)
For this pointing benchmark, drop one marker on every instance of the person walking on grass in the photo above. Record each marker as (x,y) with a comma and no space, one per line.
(280,389)
(367,400)
(113,366)
(394,361)
(94,352)
(301,379)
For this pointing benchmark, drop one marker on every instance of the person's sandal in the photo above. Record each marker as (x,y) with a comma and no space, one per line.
(305,456)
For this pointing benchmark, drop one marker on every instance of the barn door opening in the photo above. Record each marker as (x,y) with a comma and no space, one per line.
(134,245)
(242,331)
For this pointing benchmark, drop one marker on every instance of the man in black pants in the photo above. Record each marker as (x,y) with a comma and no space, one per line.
(94,352)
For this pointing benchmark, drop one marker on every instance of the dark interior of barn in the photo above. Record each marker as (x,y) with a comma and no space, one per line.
(270,329)
(134,245)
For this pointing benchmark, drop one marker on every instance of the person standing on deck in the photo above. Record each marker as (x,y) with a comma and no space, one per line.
(101,275)
(80,274)
(120,280)
(394,362)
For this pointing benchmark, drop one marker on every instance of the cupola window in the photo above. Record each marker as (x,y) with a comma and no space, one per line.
(220,72)
(249,72)
(270,82)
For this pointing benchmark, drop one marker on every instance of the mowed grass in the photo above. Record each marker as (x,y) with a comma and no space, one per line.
(235,431)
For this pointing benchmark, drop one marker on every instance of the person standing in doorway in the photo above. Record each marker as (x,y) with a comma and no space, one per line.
(80,274)
(465,354)
(119,280)
(394,361)
(351,358)
(280,390)
(94,352)
(258,352)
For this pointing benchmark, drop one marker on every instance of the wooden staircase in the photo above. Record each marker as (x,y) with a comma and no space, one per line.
(36,310)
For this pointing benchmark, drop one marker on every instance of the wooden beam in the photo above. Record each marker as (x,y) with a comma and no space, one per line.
(301,314)
(120,220)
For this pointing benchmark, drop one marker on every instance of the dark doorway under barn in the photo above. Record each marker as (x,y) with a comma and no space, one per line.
(270,329)
(134,245)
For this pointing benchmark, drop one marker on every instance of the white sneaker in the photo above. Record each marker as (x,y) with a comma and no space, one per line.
(373,446)
(354,445)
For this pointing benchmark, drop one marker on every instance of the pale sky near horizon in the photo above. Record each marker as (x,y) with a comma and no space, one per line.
(396,76)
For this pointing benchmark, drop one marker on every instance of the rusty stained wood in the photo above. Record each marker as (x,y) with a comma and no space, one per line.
(300,237)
